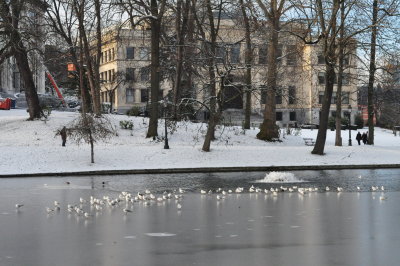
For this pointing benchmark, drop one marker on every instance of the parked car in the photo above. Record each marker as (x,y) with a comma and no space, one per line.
(309,126)
(49,100)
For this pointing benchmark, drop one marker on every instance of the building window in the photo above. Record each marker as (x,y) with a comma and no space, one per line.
(130,95)
(235,53)
(263,54)
(278,96)
(334,98)
(346,60)
(345,97)
(321,97)
(144,53)
(102,58)
(321,59)
(113,54)
(145,74)
(345,78)
(130,52)
(144,95)
(110,77)
(292,95)
(130,74)
(291,57)
(292,116)
(221,54)
(321,78)
(263,90)
(278,116)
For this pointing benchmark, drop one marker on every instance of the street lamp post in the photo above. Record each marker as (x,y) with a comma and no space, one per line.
(166,146)
(349,125)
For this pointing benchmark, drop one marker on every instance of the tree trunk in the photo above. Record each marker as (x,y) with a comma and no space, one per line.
(212,123)
(96,69)
(248,62)
(338,139)
(326,103)
(90,71)
(372,70)
(91,147)
(211,53)
(181,26)
(21,57)
(155,70)
(30,90)
(268,130)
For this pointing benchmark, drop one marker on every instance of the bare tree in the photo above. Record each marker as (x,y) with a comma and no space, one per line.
(248,62)
(273,11)
(151,11)
(13,33)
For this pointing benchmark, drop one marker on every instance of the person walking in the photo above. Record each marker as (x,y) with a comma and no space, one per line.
(63,134)
(358,138)
(364,138)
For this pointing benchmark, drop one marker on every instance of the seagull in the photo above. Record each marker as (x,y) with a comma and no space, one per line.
(178,206)
(239,190)
(339,189)
(374,188)
(383,197)
(203,191)
(266,191)
(382,188)
(251,189)
(82,201)
(358,188)
(147,191)
(290,189)
(126,210)
(48,210)
(181,191)
(87,215)
(18,205)
(220,197)
(359,176)
(223,192)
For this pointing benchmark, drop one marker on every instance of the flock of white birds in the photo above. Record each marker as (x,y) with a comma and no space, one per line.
(126,200)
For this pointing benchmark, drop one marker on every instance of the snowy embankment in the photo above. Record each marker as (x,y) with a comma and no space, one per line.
(32,147)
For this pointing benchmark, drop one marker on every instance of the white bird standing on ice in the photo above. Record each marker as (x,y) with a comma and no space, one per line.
(383,197)
(178,206)
(203,191)
(18,205)
(126,210)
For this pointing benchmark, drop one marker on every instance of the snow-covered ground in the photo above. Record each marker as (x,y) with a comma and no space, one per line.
(32,147)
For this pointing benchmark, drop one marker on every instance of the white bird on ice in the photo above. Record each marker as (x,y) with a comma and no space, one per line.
(178,206)
(18,205)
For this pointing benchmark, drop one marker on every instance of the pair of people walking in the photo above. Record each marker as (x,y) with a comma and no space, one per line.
(363,138)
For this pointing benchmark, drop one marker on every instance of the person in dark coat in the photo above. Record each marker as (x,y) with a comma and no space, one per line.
(364,138)
(63,134)
(358,138)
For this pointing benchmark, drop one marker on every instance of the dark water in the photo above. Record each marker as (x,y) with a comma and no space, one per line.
(324,228)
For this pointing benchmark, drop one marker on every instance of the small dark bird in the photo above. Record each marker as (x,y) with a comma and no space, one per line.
(67,183)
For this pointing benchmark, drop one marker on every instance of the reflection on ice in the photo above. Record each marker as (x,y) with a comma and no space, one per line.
(160,234)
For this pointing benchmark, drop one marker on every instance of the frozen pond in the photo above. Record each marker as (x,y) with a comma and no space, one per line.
(289,228)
